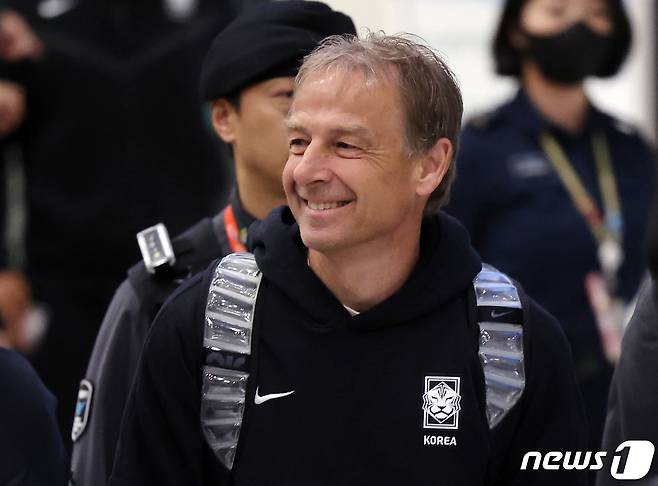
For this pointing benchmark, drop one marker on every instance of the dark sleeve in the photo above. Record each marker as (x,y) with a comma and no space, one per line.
(550,415)
(467,196)
(633,396)
(31,448)
(110,371)
(160,442)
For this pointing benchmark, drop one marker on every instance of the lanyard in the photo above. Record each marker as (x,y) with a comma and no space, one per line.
(606,228)
(232,233)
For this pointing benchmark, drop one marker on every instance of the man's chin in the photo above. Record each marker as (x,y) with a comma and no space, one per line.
(322,241)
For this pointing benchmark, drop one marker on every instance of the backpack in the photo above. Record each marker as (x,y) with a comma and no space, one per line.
(228,325)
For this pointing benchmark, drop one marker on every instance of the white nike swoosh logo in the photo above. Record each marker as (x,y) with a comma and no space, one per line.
(495,314)
(49,9)
(258,399)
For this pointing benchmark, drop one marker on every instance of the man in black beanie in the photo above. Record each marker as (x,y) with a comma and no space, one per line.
(248,76)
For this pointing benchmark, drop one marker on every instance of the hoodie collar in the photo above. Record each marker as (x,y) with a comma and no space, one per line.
(446,267)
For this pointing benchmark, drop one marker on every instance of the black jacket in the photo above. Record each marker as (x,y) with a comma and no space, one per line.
(119,343)
(355,416)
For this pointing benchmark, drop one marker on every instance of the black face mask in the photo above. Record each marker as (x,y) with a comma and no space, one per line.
(569,56)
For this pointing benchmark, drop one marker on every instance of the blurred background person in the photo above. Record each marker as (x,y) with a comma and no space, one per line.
(113,139)
(552,189)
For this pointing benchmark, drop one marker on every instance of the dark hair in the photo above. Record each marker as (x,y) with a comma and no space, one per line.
(233,98)
(508,59)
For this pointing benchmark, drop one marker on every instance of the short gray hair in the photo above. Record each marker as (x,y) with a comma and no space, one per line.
(432,102)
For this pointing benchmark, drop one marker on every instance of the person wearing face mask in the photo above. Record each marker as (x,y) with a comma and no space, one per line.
(554,191)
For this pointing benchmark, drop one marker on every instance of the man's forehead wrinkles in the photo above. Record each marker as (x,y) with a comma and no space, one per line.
(331,127)
(350,130)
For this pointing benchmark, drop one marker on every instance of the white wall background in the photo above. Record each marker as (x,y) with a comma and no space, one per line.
(462,31)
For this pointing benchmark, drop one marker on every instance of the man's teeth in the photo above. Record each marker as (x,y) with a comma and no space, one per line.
(326,205)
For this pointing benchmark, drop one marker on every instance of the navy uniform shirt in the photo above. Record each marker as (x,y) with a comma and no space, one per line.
(522,221)
(122,334)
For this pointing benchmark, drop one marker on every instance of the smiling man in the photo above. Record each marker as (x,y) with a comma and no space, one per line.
(363,343)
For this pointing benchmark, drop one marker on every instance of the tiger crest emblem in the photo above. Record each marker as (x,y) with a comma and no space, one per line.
(442,403)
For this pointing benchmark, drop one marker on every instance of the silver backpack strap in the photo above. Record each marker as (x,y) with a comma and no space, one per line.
(228,328)
(500,318)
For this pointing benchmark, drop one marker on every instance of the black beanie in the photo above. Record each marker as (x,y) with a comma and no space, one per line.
(267,41)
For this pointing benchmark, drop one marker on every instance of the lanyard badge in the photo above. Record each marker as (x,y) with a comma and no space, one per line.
(607,228)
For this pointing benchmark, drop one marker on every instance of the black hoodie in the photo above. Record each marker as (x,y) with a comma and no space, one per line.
(356,414)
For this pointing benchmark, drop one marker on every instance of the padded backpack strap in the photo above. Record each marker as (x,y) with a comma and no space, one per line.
(500,318)
(228,325)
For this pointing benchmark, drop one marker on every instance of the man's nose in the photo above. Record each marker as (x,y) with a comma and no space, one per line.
(314,165)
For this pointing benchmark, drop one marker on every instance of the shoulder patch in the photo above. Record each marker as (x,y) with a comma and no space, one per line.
(82,408)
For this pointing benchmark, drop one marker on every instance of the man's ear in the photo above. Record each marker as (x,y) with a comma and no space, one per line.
(433,166)
(223,116)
